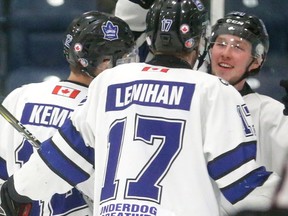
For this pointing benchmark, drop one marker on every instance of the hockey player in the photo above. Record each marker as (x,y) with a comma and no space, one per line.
(93,42)
(134,12)
(279,205)
(158,136)
(239,46)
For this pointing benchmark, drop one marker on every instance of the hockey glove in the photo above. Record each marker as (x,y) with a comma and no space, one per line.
(143,3)
(284,84)
(13,204)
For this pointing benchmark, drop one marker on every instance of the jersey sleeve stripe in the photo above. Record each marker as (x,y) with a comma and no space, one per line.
(60,164)
(231,160)
(63,146)
(71,203)
(236,174)
(241,188)
(76,142)
(3,169)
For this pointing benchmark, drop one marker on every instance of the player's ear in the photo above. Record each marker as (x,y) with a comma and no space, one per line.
(105,64)
(256,63)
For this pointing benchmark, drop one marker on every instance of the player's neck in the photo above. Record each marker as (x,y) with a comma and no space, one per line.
(80,78)
(239,86)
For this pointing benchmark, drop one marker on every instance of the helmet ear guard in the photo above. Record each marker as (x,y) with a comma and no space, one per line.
(96,37)
(175,26)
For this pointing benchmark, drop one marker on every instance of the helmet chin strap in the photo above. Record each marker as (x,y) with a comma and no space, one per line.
(90,74)
(244,76)
(202,56)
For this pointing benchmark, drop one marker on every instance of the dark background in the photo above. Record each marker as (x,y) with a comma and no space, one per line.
(274,15)
(31,33)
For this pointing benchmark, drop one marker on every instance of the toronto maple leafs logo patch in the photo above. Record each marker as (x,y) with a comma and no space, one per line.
(110,31)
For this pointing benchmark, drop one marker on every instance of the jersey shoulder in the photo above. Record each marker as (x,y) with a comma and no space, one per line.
(263,101)
(54,91)
(58,95)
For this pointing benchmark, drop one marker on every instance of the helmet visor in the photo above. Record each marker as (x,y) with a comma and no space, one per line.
(129,57)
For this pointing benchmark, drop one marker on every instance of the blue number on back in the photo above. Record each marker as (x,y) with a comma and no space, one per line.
(146,185)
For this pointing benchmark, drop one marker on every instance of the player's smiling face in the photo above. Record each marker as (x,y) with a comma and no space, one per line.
(230,57)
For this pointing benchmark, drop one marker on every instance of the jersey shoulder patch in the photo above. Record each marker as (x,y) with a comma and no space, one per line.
(65,91)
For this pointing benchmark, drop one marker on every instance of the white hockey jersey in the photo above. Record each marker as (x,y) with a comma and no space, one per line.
(281,198)
(158,140)
(271,129)
(42,108)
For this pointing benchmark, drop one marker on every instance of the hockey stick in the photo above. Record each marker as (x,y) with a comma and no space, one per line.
(33,140)
(19,127)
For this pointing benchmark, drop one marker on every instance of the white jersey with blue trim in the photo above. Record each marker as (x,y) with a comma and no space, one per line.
(281,199)
(271,127)
(42,108)
(158,140)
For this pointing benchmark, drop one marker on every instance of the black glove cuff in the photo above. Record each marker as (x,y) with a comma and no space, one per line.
(146,4)
(12,202)
(13,193)
(284,84)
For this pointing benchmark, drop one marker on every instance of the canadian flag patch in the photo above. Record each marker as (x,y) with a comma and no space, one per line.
(65,91)
(155,69)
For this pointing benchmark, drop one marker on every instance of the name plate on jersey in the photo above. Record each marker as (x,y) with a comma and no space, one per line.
(151,93)
(48,115)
